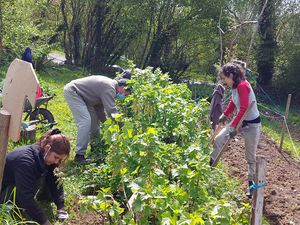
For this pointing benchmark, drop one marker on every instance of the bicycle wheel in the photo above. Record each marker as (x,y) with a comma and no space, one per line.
(44,116)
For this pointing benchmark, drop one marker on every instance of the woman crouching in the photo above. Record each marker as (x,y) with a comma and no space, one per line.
(25,169)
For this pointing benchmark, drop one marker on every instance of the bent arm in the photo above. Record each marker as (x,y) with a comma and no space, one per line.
(56,189)
(243,91)
(230,108)
(108,100)
(26,188)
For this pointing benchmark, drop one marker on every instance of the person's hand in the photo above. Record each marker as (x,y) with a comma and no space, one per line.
(47,223)
(232,132)
(222,118)
(62,215)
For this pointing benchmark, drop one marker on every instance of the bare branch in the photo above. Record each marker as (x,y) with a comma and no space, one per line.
(255,30)
(242,24)
(221,38)
(234,14)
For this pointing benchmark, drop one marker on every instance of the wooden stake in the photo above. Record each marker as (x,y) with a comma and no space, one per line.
(287,108)
(258,197)
(4,126)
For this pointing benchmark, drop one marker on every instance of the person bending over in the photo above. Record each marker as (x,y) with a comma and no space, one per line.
(233,76)
(88,98)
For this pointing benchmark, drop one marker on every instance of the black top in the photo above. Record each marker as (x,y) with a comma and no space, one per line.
(24,169)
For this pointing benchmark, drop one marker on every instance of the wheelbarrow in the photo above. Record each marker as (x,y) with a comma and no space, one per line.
(40,114)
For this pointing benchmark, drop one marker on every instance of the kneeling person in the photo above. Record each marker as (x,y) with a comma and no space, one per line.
(27,166)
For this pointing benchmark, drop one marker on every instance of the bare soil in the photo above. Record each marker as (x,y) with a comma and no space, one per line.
(87,219)
(282,193)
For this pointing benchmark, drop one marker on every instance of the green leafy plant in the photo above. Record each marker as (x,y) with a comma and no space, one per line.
(157,162)
(10,214)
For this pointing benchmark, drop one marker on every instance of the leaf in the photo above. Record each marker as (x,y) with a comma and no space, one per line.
(105,190)
(123,170)
(159,172)
(151,130)
(134,186)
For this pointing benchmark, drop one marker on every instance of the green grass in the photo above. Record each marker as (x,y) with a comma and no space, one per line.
(53,80)
(273,128)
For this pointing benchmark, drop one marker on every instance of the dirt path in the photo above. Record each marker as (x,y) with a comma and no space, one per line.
(282,193)
(57,58)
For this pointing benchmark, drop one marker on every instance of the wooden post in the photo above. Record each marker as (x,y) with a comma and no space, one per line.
(28,134)
(4,125)
(258,197)
(287,108)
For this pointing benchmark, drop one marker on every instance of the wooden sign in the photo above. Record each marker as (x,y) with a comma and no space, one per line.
(20,83)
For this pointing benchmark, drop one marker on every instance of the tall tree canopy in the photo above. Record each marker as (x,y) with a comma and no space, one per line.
(170,34)
(267,46)
(24,23)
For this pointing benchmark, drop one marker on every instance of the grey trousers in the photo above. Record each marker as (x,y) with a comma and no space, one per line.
(86,119)
(251,135)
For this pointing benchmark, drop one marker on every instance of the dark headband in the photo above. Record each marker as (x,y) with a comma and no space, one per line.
(55,131)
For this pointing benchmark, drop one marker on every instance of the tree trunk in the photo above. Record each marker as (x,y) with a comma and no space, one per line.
(267,47)
(98,61)
(67,39)
(77,44)
(1,32)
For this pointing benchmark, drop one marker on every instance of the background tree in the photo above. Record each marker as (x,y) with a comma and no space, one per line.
(96,32)
(1,31)
(267,46)
(287,79)
(181,37)
(176,34)
(24,24)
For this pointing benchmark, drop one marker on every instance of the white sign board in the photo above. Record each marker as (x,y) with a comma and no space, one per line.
(20,83)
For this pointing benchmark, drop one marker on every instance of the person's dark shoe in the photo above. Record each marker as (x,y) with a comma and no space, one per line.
(211,162)
(250,190)
(79,159)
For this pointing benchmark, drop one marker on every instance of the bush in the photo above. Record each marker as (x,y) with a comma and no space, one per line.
(289,82)
(157,161)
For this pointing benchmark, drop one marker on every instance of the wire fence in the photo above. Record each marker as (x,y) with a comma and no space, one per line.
(271,112)
(281,121)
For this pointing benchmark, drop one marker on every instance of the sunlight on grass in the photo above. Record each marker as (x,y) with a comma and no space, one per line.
(52,81)
(273,130)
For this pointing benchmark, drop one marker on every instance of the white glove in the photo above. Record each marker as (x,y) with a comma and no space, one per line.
(62,215)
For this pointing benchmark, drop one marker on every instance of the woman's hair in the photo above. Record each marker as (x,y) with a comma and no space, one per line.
(59,143)
(237,71)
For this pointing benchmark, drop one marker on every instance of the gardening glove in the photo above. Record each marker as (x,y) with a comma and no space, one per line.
(222,118)
(62,215)
(232,131)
